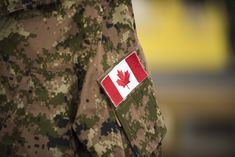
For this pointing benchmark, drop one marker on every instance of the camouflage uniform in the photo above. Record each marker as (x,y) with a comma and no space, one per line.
(52,54)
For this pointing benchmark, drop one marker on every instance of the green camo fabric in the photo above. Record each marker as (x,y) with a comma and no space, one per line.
(51,55)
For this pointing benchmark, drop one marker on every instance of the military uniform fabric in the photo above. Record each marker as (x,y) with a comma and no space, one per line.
(52,54)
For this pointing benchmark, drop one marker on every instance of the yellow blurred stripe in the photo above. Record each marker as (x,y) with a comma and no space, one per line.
(177,38)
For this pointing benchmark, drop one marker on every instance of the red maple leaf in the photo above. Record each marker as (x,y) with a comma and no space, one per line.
(123,78)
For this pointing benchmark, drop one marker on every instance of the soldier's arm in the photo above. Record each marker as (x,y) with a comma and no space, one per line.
(112,35)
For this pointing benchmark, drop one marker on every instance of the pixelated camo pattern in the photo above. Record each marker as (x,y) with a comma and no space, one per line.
(51,54)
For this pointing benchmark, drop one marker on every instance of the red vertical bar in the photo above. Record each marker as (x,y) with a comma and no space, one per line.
(134,63)
(112,91)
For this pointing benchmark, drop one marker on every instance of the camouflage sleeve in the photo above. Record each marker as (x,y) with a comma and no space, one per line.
(137,125)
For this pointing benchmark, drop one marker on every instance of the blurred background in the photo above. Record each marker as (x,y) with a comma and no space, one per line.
(190,49)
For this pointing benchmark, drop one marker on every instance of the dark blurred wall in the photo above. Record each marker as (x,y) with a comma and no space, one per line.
(230,5)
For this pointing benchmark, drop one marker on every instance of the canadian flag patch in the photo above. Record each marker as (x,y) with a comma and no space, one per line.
(123,78)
